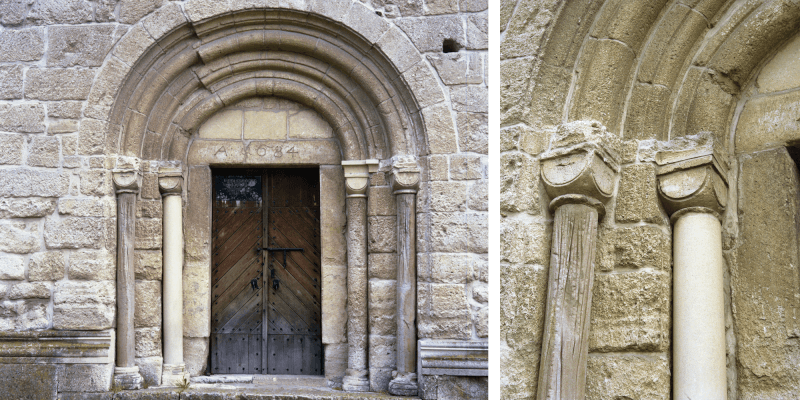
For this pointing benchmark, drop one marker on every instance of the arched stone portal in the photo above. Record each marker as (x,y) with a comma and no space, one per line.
(178,68)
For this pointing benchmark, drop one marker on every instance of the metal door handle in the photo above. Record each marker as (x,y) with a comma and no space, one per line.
(276,283)
(254,283)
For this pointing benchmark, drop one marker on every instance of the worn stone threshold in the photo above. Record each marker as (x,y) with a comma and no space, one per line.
(252,387)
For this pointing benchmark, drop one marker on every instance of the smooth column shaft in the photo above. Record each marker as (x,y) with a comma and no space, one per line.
(699,370)
(565,346)
(126,231)
(173,280)
(406,283)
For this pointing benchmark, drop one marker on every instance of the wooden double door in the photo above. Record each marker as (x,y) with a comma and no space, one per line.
(265,279)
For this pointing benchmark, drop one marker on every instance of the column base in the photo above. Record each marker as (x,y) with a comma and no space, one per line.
(127,378)
(174,375)
(355,381)
(404,384)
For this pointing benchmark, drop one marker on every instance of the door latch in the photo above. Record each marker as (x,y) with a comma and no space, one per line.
(276,283)
(254,283)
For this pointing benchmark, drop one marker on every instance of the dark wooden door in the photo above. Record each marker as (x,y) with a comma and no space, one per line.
(281,335)
(294,302)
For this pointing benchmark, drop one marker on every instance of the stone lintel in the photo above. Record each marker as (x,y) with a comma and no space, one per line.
(356,176)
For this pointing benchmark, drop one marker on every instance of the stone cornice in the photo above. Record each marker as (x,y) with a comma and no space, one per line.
(405,175)
(125,174)
(356,176)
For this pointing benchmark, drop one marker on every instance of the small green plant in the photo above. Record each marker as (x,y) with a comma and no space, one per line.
(182,383)
(115,387)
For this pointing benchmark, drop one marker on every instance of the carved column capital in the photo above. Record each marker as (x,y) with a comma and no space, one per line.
(126,176)
(170,179)
(356,176)
(588,170)
(693,178)
(405,175)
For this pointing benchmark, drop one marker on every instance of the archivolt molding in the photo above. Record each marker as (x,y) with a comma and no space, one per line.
(181,64)
(655,69)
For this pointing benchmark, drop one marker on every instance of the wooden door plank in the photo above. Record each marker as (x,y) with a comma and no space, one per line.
(295,321)
(245,320)
(254,354)
(289,295)
(249,266)
(240,285)
(248,235)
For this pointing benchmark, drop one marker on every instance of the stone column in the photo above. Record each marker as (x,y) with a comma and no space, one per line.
(405,183)
(578,179)
(127,182)
(694,192)
(170,183)
(356,175)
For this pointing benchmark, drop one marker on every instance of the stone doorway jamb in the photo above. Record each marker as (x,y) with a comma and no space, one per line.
(127,182)
(579,172)
(356,175)
(405,184)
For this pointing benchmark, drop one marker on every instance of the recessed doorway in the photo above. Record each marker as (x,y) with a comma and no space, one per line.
(266,275)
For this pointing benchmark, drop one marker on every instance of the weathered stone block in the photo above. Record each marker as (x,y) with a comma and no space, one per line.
(74,233)
(91,207)
(12,267)
(478,196)
(26,208)
(150,186)
(615,377)
(29,381)
(92,265)
(148,208)
(62,126)
(382,234)
(33,183)
(477,32)
(450,268)
(196,299)
(523,295)
(382,351)
(307,125)
(11,82)
(148,342)
(383,265)
(195,354)
(84,305)
(22,118)
(381,201)
(423,84)
(456,387)
(441,132)
(438,168)
(470,98)
(637,199)
(131,11)
(226,124)
(482,322)
(519,186)
(630,312)
(466,167)
(456,232)
(43,151)
(164,20)
(443,311)
(58,84)
(11,148)
(17,238)
(473,132)
(447,196)
(428,34)
(85,46)
(50,12)
(21,45)
(65,109)
(335,364)
(29,290)
(148,304)
(85,377)
(637,247)
(382,307)
(148,265)
(148,234)
(48,266)
(151,368)
(458,68)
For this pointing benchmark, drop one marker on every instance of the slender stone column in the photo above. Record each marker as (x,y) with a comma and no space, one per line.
(127,184)
(170,183)
(356,174)
(405,183)
(578,178)
(694,192)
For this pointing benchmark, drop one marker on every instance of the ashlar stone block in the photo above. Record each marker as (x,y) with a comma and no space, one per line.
(447,196)
(92,265)
(226,124)
(74,233)
(265,125)
(51,12)
(308,125)
(22,118)
(12,267)
(458,68)
(470,98)
(19,239)
(631,312)
(478,196)
(58,84)
(383,266)
(84,305)
(131,11)
(524,242)
(148,342)
(29,381)
(29,290)
(382,234)
(84,46)
(21,45)
(466,167)
(44,151)
(637,199)
(85,377)
(443,311)
(11,148)
(11,82)
(382,307)
(611,377)
(87,207)
(635,247)
(48,266)
(428,34)
(473,132)
(148,234)
(148,265)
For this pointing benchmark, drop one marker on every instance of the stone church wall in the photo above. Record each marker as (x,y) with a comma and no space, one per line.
(58,207)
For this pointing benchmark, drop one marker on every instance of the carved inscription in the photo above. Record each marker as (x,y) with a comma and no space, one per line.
(277,151)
